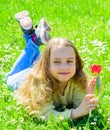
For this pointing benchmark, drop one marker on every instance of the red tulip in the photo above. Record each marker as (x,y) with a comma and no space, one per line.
(96,69)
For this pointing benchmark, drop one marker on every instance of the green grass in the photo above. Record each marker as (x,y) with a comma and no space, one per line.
(87,23)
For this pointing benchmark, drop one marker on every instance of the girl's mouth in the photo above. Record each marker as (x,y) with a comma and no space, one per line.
(64,73)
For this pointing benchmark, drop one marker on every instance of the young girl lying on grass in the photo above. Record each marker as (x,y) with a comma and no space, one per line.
(53,82)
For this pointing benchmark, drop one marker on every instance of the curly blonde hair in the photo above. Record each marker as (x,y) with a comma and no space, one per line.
(40,84)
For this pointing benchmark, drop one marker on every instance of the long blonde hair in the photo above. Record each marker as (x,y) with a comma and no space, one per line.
(41,79)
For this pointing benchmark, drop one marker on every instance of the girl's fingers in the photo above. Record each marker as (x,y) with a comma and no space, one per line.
(91,85)
(89,96)
(94,100)
(92,103)
(92,108)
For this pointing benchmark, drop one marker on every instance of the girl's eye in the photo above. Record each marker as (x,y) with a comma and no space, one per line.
(69,61)
(57,62)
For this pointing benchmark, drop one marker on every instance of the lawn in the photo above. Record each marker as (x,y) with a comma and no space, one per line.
(87,24)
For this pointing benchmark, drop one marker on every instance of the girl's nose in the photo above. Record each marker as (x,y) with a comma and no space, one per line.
(63,66)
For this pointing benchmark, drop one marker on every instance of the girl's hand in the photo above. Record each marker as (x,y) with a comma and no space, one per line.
(89,103)
(91,85)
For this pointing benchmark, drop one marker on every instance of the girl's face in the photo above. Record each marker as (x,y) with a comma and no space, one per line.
(62,63)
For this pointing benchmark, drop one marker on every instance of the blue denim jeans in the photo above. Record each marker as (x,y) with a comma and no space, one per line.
(23,64)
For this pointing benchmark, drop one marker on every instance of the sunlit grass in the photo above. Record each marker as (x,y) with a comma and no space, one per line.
(87,24)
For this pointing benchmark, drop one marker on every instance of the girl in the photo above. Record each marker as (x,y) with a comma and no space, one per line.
(56,84)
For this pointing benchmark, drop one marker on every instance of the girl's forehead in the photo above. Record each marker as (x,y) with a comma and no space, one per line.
(60,47)
(62,51)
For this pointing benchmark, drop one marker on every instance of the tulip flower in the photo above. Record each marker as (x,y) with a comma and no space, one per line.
(96,69)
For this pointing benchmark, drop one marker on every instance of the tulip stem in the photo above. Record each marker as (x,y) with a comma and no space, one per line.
(90,112)
(97,86)
(88,120)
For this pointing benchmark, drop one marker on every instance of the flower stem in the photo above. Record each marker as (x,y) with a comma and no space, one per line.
(97,87)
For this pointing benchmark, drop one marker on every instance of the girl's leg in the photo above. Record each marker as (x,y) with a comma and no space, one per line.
(23,65)
(15,80)
(26,58)
(24,62)
(30,53)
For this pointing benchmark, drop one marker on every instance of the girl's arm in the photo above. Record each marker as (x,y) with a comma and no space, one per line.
(47,108)
(89,103)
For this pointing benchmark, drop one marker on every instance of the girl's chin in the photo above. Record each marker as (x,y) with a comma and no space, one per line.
(63,80)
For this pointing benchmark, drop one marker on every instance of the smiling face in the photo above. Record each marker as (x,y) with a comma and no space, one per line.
(62,63)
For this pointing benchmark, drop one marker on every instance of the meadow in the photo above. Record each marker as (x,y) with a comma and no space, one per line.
(87,24)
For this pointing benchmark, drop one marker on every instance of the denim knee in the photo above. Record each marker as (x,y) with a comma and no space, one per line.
(15,80)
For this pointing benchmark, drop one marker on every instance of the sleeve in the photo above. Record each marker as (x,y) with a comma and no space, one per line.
(43,104)
(49,110)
